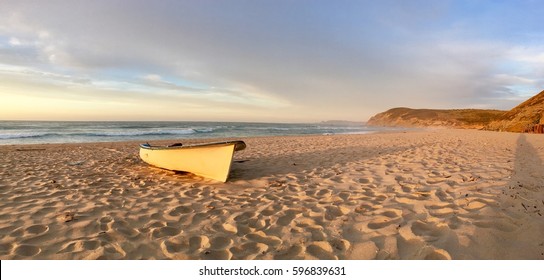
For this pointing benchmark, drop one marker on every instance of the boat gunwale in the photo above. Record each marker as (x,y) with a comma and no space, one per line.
(239,145)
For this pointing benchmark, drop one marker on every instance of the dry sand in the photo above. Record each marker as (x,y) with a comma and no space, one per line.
(444,194)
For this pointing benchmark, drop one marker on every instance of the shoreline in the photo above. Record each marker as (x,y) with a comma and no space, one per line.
(90,132)
(433,194)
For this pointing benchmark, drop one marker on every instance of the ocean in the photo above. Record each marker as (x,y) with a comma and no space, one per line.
(39,132)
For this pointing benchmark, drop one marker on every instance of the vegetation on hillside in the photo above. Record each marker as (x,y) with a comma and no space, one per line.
(523,117)
(458,118)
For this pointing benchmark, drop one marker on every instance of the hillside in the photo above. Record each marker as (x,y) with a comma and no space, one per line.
(523,117)
(526,117)
(457,118)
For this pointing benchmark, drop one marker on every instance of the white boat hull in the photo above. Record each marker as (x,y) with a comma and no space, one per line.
(212,160)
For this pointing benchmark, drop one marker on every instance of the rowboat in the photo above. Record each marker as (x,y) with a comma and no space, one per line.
(210,160)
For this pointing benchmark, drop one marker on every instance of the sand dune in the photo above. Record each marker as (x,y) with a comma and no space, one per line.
(443,194)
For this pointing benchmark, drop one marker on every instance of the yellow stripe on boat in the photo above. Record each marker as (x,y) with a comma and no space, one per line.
(210,160)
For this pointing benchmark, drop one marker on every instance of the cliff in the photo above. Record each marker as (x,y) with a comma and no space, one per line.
(526,117)
(457,118)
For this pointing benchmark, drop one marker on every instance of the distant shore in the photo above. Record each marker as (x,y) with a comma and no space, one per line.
(436,194)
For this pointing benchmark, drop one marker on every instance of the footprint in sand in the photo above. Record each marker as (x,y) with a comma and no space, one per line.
(193,192)
(199,217)
(364,208)
(417,195)
(244,217)
(311,193)
(382,221)
(433,181)
(337,179)
(407,202)
(295,252)
(180,210)
(151,226)
(380,198)
(258,223)
(317,233)
(37,229)
(365,180)
(105,223)
(287,217)
(321,250)
(199,242)
(391,213)
(261,237)
(437,254)
(125,228)
(128,232)
(165,232)
(220,243)
(443,196)
(429,232)
(455,222)
(324,193)
(26,250)
(369,193)
(17,232)
(80,246)
(269,211)
(440,205)
(112,251)
(441,210)
(304,222)
(174,250)
(478,203)
(6,248)
(249,250)
(242,229)
(172,247)
(407,189)
(333,212)
(225,228)
(344,195)
(340,245)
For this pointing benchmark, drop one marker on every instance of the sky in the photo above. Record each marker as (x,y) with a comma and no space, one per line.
(264,61)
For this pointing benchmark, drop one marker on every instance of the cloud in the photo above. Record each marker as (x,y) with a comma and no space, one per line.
(300,60)
(14,41)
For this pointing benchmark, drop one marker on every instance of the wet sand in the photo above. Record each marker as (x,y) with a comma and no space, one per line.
(441,194)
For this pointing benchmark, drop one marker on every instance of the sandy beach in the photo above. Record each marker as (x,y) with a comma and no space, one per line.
(437,194)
